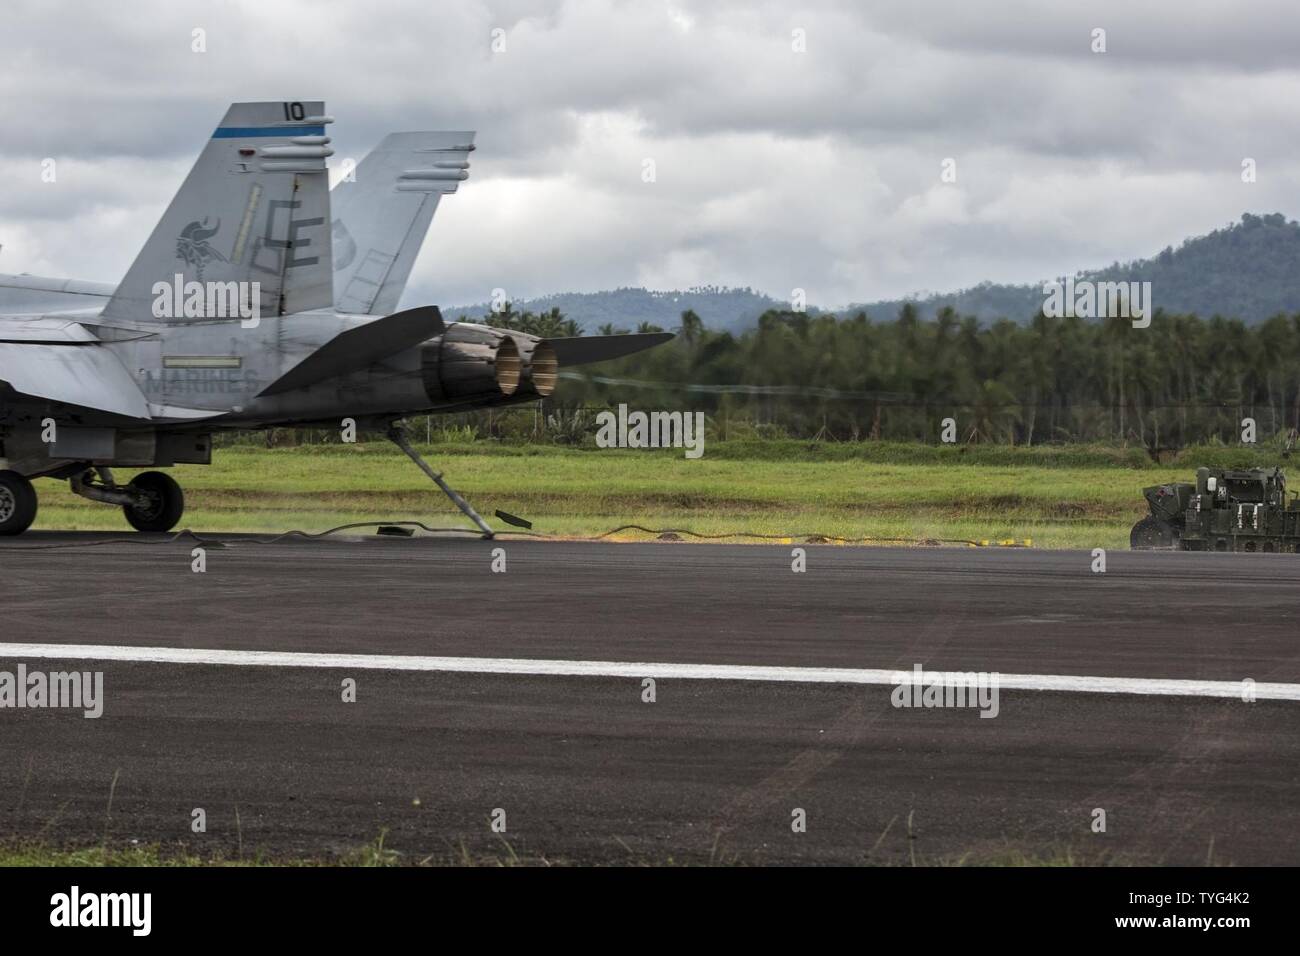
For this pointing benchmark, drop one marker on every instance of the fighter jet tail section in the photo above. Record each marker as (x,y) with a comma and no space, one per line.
(254,211)
(383,212)
(234,290)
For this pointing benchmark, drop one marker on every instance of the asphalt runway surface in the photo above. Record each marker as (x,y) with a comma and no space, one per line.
(718,766)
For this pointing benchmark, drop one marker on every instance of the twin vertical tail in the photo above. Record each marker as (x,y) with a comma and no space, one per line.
(382,211)
(254,210)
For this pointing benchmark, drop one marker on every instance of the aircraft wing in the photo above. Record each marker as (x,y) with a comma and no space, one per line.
(86,374)
(24,293)
(23,328)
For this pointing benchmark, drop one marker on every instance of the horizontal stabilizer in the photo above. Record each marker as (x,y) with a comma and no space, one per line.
(356,348)
(585,349)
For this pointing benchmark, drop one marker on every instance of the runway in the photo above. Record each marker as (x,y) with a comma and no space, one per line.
(1120,694)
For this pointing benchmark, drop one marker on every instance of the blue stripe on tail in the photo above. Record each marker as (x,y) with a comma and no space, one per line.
(248,132)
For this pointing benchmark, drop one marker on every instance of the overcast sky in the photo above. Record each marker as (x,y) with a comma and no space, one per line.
(774,168)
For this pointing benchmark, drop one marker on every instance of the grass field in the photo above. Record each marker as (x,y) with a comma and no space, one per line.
(377,854)
(1058,497)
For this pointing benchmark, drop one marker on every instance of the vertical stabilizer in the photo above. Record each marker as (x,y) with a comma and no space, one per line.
(254,209)
(382,216)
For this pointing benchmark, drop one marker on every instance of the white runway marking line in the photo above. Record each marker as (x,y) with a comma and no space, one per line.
(557,668)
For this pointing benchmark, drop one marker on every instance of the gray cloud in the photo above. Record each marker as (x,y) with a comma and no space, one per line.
(775,169)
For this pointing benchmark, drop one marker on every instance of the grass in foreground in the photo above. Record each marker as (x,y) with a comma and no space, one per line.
(1072,497)
(24,854)
(376,854)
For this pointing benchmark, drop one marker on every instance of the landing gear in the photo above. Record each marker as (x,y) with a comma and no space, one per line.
(397,435)
(159,505)
(17,503)
(1152,534)
(153,501)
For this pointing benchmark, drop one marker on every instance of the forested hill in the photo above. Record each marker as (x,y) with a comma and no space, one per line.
(1248,270)
(725,308)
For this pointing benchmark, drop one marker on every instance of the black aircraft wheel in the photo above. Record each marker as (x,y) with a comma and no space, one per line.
(165,504)
(17,503)
(1152,534)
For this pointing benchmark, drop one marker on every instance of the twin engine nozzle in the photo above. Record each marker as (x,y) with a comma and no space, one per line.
(480,364)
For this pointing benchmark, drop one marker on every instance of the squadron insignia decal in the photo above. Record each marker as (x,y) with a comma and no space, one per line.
(193,248)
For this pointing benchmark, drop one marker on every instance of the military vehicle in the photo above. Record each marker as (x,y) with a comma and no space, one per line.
(1225,510)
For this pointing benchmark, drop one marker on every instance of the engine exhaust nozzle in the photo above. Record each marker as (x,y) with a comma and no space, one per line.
(469,363)
(540,365)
